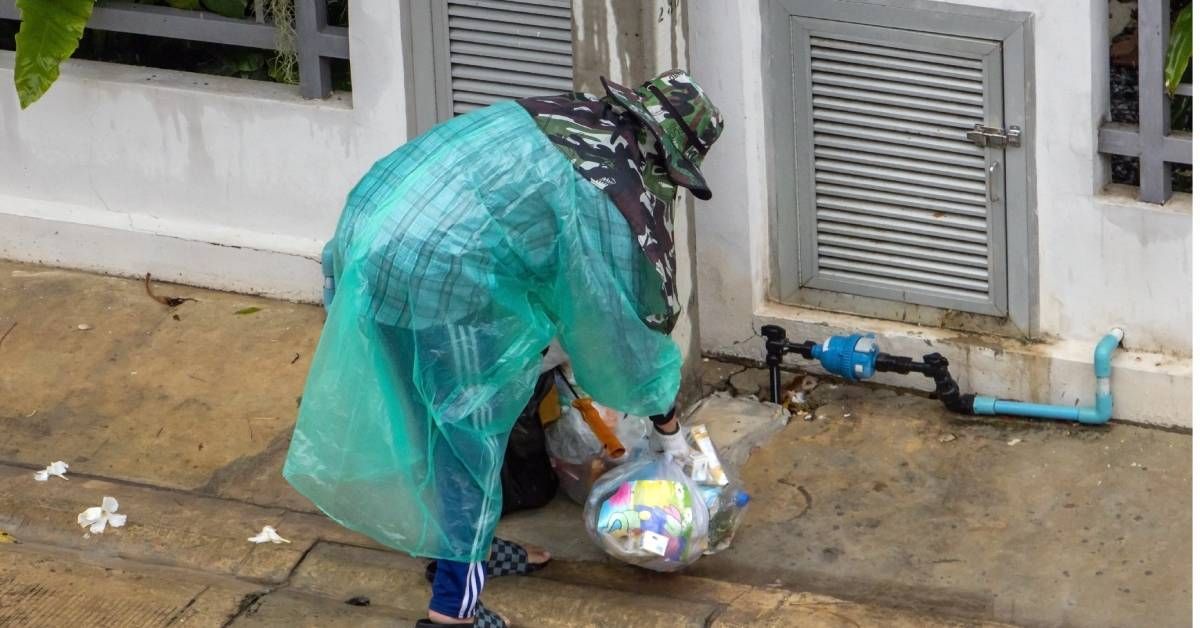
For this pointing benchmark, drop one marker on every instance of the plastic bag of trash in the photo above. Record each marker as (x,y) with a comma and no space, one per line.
(648,513)
(449,281)
(575,454)
(579,458)
(578,454)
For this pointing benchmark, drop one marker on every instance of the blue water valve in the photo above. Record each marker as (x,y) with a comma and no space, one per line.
(852,357)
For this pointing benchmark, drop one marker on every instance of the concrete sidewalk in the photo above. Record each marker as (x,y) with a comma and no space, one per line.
(882,510)
(184,559)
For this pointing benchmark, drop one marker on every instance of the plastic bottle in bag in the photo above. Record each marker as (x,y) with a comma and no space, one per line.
(719,487)
(731,506)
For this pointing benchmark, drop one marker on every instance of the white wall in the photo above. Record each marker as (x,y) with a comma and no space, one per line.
(213,181)
(1103,259)
(731,228)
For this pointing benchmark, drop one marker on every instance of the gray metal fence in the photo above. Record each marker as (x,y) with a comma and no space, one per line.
(316,40)
(1152,141)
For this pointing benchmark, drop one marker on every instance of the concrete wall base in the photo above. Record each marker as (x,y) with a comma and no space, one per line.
(291,275)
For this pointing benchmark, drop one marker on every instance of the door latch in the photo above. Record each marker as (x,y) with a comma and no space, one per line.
(992,136)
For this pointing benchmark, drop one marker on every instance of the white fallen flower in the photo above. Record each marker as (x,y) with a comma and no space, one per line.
(98,516)
(57,469)
(268,534)
(1013,442)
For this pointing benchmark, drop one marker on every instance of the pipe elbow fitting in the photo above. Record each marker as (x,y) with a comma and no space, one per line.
(1102,360)
(1098,415)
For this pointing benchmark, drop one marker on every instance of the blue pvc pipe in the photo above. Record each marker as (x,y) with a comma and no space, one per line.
(1102,365)
(1104,351)
(991,405)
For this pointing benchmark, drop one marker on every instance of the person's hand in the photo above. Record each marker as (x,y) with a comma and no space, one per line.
(669,436)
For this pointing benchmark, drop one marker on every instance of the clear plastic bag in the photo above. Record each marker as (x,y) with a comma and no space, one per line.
(576,453)
(569,439)
(578,457)
(648,513)
(634,432)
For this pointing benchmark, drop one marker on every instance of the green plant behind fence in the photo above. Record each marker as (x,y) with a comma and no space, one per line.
(51,30)
(1179,50)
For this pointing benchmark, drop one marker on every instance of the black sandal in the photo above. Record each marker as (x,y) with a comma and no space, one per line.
(483,619)
(506,559)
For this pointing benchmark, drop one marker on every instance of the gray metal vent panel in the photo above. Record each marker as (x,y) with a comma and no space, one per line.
(895,202)
(496,50)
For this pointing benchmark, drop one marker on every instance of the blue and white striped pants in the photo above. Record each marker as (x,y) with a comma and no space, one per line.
(456,588)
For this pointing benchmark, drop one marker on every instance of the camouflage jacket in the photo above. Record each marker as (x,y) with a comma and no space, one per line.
(611,149)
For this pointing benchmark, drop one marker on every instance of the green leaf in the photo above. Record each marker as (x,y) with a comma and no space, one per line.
(50,32)
(248,62)
(228,8)
(248,310)
(1179,50)
(190,5)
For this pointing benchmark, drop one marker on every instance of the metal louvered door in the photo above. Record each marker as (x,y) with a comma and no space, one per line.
(487,51)
(895,200)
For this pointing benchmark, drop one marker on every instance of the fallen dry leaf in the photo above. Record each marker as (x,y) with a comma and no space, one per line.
(167,301)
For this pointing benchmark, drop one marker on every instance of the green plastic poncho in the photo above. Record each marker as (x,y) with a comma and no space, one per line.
(458,258)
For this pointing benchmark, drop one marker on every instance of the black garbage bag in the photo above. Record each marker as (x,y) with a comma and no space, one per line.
(526,478)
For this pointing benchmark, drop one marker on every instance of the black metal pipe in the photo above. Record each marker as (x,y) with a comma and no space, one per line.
(778,346)
(936,367)
(776,341)
(946,388)
(885,363)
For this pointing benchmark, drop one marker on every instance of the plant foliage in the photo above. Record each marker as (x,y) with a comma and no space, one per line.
(50,32)
(1179,50)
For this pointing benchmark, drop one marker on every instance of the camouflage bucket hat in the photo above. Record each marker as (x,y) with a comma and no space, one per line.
(683,119)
